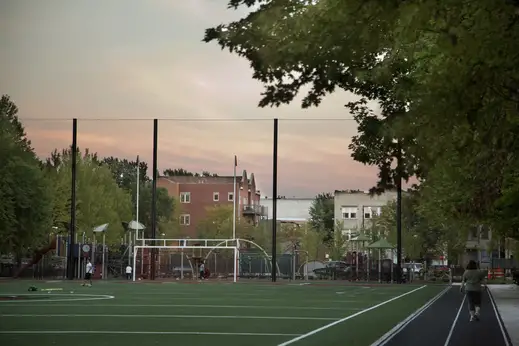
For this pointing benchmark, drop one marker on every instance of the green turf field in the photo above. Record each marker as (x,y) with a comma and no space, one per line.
(248,314)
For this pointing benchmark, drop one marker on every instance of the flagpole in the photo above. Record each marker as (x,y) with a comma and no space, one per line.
(234,200)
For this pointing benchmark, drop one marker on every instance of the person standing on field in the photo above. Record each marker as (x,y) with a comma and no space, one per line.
(89,269)
(202,270)
(471,285)
(128,272)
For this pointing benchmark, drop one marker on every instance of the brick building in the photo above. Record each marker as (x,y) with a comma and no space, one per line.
(196,194)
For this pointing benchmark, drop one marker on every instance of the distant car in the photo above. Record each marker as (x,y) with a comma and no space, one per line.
(414,267)
(339,266)
(334,269)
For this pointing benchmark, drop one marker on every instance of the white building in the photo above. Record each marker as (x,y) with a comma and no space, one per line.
(355,208)
(289,209)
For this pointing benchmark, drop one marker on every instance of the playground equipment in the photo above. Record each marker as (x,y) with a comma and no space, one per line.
(38,255)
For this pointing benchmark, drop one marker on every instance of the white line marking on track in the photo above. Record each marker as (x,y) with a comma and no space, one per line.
(193,306)
(498,318)
(400,326)
(20,332)
(175,316)
(315,331)
(451,331)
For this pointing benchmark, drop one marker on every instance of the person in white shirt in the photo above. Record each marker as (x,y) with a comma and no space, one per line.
(202,270)
(129,272)
(89,269)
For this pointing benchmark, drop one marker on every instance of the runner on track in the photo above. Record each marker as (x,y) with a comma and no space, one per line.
(471,285)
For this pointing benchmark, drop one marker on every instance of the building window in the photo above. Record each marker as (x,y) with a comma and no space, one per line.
(216,196)
(349,213)
(230,196)
(484,233)
(185,219)
(185,197)
(371,212)
(245,201)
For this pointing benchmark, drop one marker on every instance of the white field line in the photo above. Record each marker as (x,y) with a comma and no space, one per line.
(398,328)
(315,331)
(280,299)
(56,297)
(451,331)
(194,306)
(56,332)
(227,295)
(174,316)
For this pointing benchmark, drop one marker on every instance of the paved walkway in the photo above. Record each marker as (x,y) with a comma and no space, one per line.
(446,323)
(506,298)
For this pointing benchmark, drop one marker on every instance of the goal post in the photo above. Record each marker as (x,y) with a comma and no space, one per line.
(167,247)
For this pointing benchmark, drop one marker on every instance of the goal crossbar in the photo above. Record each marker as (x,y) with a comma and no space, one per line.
(183,247)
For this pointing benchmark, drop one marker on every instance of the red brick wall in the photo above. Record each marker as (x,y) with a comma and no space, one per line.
(201,200)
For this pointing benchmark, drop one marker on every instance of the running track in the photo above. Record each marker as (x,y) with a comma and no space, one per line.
(446,323)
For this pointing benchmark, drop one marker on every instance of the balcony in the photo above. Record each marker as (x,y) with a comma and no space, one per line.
(258,210)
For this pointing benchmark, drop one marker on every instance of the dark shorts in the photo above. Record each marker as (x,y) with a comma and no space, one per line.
(88,276)
(474,299)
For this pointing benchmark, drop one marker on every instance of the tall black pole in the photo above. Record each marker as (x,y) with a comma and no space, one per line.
(154,197)
(399,213)
(72,226)
(274,200)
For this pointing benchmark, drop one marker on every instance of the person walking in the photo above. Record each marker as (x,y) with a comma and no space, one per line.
(472,287)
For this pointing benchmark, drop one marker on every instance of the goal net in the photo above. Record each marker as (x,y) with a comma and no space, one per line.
(182,258)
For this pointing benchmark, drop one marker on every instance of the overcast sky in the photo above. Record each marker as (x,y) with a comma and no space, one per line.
(144,59)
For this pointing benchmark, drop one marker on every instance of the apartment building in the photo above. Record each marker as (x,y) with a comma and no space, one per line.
(355,208)
(294,210)
(196,194)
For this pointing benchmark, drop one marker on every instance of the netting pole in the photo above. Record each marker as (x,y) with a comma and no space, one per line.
(154,198)
(274,199)
(72,226)
(134,261)
(235,263)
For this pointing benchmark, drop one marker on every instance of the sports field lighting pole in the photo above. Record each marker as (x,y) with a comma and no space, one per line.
(154,196)
(72,225)
(274,199)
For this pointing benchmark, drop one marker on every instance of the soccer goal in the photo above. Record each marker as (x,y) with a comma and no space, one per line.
(181,258)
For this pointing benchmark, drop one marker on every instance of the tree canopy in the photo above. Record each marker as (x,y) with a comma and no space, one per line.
(322,216)
(25,203)
(444,74)
(181,172)
(99,198)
